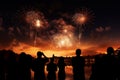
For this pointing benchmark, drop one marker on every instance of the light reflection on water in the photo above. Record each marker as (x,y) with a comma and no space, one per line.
(69,74)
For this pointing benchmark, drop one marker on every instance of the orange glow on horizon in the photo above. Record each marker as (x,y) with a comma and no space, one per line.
(66,52)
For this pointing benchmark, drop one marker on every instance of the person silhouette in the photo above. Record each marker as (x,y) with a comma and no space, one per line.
(24,68)
(78,63)
(97,68)
(2,64)
(61,65)
(39,66)
(118,66)
(110,63)
(51,68)
(105,66)
(11,66)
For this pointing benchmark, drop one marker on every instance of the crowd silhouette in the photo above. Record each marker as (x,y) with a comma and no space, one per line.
(15,66)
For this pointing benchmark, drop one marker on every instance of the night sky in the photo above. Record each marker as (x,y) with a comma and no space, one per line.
(19,33)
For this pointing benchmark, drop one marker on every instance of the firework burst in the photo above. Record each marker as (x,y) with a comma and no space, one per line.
(36,19)
(81,18)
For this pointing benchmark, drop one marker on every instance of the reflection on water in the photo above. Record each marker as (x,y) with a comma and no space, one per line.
(69,74)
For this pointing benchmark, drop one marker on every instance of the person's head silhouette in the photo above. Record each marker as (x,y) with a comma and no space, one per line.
(110,51)
(78,52)
(39,54)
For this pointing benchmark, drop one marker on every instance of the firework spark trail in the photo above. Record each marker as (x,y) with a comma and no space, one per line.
(80,19)
(37,22)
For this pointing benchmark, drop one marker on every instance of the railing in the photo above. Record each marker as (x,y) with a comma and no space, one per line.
(89,60)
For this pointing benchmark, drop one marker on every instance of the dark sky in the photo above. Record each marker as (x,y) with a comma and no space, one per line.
(105,20)
(106,12)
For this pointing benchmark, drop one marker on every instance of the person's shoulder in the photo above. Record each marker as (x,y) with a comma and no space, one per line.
(81,57)
(73,57)
(36,59)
